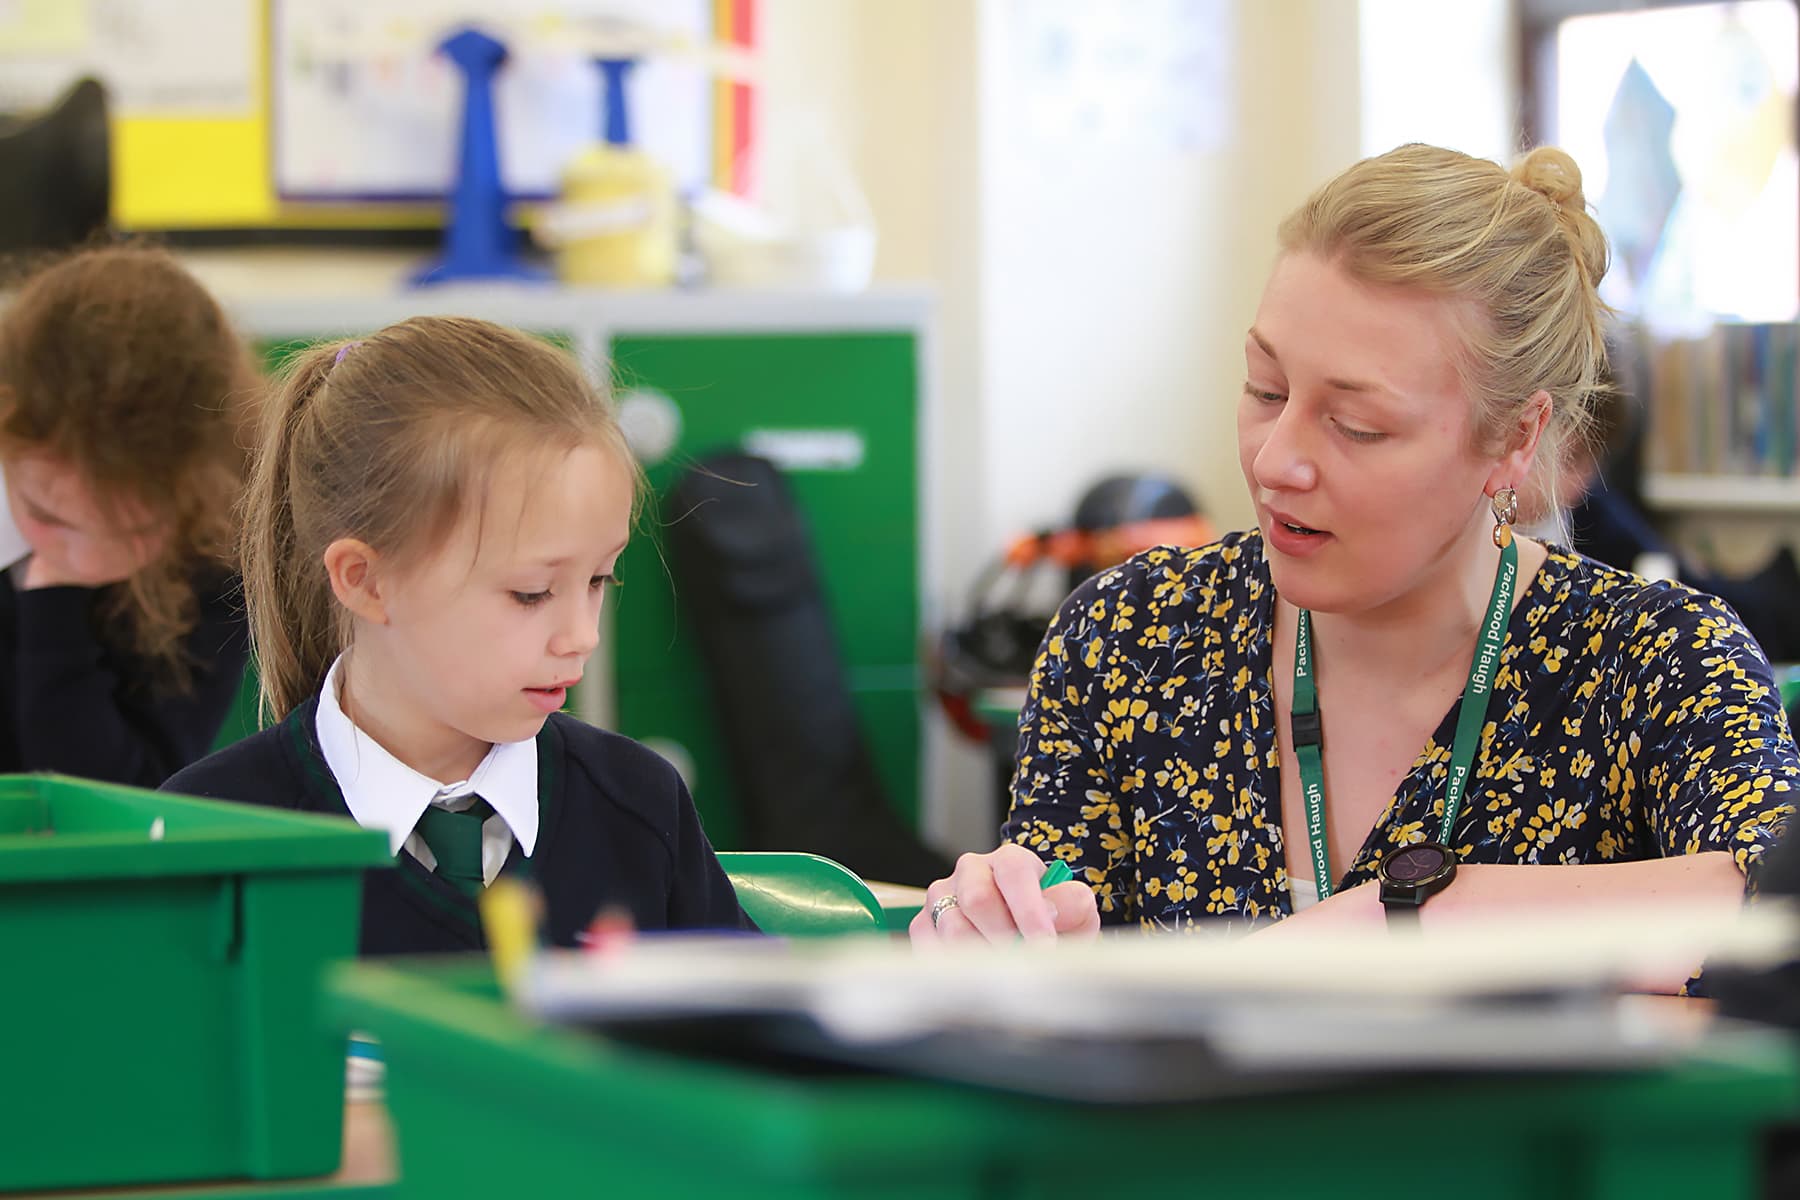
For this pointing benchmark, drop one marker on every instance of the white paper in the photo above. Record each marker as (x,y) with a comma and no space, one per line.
(1540,991)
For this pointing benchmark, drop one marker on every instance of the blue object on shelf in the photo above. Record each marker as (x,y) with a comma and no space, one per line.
(614,72)
(477,243)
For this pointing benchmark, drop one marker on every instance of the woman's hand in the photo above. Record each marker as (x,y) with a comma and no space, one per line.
(1359,906)
(997,899)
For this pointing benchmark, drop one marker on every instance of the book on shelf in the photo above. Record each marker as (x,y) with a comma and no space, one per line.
(1721,403)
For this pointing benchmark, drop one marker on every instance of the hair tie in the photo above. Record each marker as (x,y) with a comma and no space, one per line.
(346,348)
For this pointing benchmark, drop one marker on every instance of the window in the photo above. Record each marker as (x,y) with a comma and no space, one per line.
(1682,120)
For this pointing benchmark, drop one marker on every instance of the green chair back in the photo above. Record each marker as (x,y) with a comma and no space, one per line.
(801,895)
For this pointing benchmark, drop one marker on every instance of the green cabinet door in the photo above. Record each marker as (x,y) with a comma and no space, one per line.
(856,396)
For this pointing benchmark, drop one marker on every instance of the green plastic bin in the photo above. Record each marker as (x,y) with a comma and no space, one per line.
(580,1115)
(161,994)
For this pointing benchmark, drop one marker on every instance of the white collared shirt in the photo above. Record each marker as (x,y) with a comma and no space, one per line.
(384,793)
(13,546)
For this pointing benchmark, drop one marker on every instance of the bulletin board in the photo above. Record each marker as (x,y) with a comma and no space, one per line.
(228,114)
(363,108)
(186,99)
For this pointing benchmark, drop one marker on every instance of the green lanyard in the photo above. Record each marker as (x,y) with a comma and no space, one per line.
(1307,727)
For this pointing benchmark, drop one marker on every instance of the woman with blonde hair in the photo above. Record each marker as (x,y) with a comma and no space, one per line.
(1382,703)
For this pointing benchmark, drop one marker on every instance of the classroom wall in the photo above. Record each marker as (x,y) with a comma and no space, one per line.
(1105,287)
(1123,275)
(1441,73)
(1093,294)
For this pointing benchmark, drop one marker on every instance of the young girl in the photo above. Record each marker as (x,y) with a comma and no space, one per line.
(431,527)
(124,398)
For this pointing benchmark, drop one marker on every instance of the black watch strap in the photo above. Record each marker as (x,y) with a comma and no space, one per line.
(1402,916)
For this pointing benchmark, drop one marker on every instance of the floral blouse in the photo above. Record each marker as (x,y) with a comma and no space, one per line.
(1630,719)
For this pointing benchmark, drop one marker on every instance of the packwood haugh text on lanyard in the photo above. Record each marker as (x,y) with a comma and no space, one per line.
(1469,720)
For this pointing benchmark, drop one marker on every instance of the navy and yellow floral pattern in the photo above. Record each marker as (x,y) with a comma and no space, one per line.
(1630,719)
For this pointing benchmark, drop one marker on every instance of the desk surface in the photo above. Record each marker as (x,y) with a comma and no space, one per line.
(899,903)
(896,895)
(367,1171)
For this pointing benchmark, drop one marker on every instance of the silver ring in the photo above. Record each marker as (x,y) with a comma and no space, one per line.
(939,907)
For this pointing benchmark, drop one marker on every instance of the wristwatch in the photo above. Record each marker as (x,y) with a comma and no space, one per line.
(1411,876)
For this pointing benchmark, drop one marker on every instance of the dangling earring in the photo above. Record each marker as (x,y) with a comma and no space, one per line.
(1506,511)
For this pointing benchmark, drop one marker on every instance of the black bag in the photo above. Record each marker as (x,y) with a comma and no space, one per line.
(55,173)
(745,581)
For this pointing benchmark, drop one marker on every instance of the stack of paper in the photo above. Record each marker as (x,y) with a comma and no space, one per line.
(1181,1015)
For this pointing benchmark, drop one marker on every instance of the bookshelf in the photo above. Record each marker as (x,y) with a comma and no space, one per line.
(1724,494)
(1723,412)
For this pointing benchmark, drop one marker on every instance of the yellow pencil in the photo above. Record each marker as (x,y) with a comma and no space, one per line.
(509,916)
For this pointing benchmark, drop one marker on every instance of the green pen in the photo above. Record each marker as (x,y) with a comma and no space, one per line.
(1057,872)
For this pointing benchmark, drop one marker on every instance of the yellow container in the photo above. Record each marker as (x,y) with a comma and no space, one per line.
(616,224)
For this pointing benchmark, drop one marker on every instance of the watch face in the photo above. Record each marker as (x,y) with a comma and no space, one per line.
(1415,864)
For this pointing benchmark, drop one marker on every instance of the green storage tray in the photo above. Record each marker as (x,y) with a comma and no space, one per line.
(161,996)
(579,1115)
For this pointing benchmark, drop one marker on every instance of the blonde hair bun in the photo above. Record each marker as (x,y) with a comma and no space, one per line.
(1551,173)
